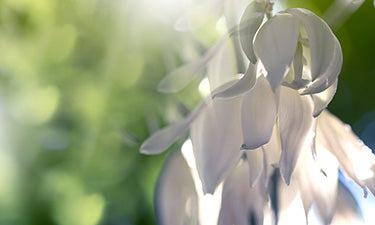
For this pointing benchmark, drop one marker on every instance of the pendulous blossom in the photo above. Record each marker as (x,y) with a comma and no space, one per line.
(262,138)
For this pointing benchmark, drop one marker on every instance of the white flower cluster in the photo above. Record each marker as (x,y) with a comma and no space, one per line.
(264,140)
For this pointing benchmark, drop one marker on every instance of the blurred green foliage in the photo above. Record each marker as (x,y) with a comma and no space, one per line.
(78,95)
(74,97)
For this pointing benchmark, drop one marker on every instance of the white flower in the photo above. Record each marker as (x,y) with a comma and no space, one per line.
(179,199)
(274,114)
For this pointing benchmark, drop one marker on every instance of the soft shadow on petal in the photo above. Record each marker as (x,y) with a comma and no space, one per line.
(258,114)
(275,45)
(246,83)
(295,122)
(355,158)
(179,78)
(241,204)
(322,99)
(251,20)
(176,201)
(216,136)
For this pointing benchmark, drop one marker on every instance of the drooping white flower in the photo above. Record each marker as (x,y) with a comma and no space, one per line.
(274,116)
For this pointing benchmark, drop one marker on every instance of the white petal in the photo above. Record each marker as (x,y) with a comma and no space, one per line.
(255,161)
(243,85)
(271,154)
(347,209)
(175,197)
(240,203)
(325,184)
(290,205)
(322,99)
(317,179)
(355,158)
(325,49)
(222,66)
(162,139)
(275,45)
(251,20)
(259,110)
(301,178)
(216,137)
(273,148)
(370,182)
(326,79)
(179,78)
(321,40)
(295,121)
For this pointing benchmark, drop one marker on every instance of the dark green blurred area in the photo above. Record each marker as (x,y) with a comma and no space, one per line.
(78,96)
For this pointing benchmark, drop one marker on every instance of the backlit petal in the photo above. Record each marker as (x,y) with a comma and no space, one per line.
(245,84)
(325,50)
(295,122)
(175,197)
(317,179)
(222,66)
(347,209)
(216,136)
(179,78)
(240,203)
(258,114)
(355,158)
(290,205)
(162,139)
(273,148)
(326,79)
(275,45)
(325,184)
(255,161)
(322,99)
